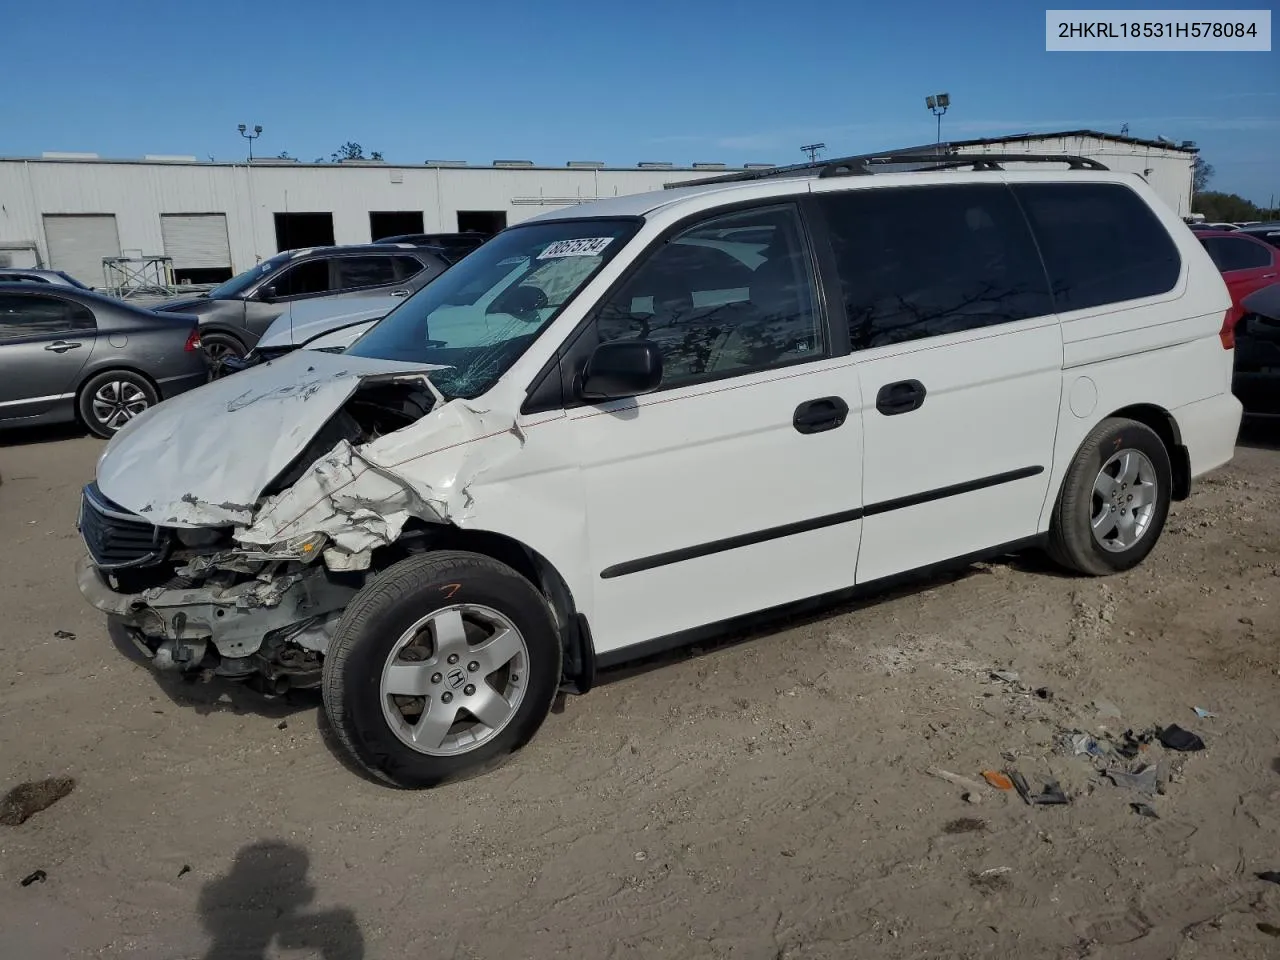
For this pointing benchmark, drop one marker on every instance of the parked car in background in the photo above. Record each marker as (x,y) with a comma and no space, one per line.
(1204,225)
(31,275)
(1257,373)
(71,354)
(452,246)
(1246,263)
(313,321)
(235,314)
(618,423)
(1266,232)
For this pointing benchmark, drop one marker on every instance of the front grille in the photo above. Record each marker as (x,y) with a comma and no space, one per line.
(117,538)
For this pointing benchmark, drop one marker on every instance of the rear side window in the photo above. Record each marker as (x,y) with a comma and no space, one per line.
(1100,242)
(407,267)
(38,315)
(1230,253)
(357,272)
(921,262)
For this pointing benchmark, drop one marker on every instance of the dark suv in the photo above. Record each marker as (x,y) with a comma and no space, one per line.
(233,315)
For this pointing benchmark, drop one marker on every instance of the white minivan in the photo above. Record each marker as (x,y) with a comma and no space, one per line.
(619,423)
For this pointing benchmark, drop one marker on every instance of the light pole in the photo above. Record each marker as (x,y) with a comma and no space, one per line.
(812,149)
(257,132)
(937,105)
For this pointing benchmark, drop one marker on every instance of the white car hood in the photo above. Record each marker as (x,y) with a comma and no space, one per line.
(204,457)
(309,318)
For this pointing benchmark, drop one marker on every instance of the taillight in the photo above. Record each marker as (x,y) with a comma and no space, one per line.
(193,341)
(1228,332)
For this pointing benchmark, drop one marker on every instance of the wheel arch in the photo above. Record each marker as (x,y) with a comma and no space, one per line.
(222,328)
(575,634)
(112,366)
(1165,426)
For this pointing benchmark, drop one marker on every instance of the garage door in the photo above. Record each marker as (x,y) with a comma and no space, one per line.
(196,241)
(78,242)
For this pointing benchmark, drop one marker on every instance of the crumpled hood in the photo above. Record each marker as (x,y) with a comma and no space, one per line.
(204,457)
(307,319)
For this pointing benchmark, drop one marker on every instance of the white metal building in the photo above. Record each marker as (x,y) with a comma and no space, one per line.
(69,211)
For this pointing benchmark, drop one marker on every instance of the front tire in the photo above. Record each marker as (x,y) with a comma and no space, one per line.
(111,399)
(440,667)
(1114,500)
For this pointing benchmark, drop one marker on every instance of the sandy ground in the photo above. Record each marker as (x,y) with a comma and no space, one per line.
(768,797)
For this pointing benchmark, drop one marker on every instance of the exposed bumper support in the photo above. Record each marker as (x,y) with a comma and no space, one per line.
(235,619)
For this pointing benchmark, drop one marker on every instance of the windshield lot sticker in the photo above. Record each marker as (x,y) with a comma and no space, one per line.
(582,247)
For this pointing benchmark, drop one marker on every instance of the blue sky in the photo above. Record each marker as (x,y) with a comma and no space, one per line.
(551,81)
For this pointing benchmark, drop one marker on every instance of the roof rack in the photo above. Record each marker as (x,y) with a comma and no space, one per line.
(858,166)
(923,163)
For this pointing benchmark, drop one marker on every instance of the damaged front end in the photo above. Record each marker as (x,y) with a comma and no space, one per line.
(231,544)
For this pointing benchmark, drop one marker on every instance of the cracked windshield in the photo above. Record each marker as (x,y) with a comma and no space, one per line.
(482,314)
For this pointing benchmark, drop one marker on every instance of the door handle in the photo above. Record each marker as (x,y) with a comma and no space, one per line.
(901,397)
(825,413)
(398,293)
(62,346)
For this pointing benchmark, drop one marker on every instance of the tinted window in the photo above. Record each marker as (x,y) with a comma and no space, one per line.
(35,316)
(357,272)
(1100,242)
(407,267)
(926,261)
(1230,253)
(304,278)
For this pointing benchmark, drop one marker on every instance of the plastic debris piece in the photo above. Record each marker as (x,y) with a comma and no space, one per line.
(1271,876)
(1044,693)
(1050,794)
(973,786)
(1107,710)
(186,868)
(1144,810)
(1270,929)
(31,797)
(1174,737)
(1008,676)
(1204,714)
(1084,745)
(997,779)
(64,634)
(38,876)
(1144,779)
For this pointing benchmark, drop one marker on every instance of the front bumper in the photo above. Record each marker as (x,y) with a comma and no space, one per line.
(234,619)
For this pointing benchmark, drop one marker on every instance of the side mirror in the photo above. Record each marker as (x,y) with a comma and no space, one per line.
(267,293)
(621,368)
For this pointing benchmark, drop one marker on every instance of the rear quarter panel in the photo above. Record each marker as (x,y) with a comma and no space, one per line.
(1162,351)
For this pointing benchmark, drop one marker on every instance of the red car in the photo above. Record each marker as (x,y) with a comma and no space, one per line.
(1246,264)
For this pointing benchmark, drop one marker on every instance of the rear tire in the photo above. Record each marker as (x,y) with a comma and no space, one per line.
(218,347)
(111,399)
(1114,500)
(422,645)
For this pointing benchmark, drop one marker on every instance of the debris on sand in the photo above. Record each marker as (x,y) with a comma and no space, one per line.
(997,779)
(1007,676)
(1144,810)
(37,876)
(1173,737)
(1271,876)
(1204,714)
(1050,794)
(186,868)
(1145,779)
(64,634)
(964,825)
(31,797)
(972,786)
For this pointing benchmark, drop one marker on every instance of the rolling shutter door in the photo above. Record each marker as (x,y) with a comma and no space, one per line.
(196,241)
(78,242)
